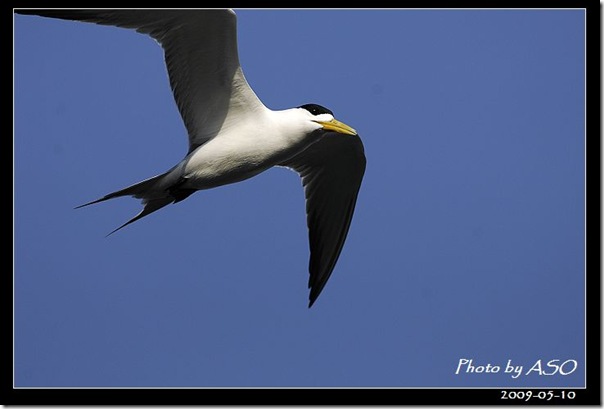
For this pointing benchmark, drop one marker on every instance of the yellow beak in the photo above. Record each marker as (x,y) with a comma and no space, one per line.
(337,126)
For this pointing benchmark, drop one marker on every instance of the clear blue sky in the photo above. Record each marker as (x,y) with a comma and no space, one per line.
(467,241)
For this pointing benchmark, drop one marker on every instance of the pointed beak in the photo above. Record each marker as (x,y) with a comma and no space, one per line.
(337,126)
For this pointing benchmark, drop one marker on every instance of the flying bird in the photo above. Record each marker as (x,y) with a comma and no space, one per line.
(233,136)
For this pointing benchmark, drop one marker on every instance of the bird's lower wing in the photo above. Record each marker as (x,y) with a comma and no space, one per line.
(331,171)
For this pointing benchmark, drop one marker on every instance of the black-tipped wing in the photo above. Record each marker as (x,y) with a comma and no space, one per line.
(331,171)
(200,50)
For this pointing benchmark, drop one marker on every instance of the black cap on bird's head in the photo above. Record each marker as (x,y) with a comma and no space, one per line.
(316,109)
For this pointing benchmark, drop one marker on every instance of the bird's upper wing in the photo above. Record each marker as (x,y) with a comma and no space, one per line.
(331,171)
(200,49)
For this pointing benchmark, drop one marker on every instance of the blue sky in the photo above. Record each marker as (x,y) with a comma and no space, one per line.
(467,241)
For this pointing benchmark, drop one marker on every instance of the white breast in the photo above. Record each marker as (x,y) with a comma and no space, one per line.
(249,146)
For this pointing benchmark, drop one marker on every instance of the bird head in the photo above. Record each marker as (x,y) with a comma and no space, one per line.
(325,118)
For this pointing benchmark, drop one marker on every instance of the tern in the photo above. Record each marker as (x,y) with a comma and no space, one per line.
(233,136)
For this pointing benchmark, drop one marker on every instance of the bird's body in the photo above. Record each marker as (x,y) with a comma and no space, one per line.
(233,136)
(236,156)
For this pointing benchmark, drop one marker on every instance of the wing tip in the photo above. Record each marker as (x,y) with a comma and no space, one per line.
(314,295)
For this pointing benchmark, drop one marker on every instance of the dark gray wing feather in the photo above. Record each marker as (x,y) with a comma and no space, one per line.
(331,171)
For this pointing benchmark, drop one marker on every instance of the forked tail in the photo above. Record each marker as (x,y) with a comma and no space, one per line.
(155,192)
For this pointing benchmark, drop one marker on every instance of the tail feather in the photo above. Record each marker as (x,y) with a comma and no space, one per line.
(102,199)
(156,193)
(139,190)
(150,207)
